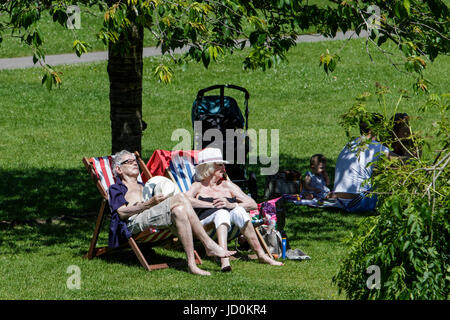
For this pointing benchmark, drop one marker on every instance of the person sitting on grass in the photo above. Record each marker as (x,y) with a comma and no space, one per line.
(354,166)
(316,180)
(219,203)
(403,140)
(126,199)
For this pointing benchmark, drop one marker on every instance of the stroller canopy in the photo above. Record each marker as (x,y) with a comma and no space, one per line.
(219,114)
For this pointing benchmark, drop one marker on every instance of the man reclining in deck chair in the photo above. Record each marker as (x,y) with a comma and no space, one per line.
(126,198)
(221,203)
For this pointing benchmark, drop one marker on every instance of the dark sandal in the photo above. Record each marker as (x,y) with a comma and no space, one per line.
(226,269)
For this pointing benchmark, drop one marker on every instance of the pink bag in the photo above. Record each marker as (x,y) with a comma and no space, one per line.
(268,211)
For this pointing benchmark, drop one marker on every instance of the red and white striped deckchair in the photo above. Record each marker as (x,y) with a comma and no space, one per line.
(101,173)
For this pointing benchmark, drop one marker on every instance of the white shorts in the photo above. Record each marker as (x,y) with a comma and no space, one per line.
(238,216)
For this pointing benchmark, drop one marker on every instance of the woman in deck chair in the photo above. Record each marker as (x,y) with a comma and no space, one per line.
(221,203)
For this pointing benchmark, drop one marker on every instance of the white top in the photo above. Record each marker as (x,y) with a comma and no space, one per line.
(318,182)
(351,166)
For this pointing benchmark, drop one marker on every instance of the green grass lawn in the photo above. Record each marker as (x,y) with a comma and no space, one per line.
(46,134)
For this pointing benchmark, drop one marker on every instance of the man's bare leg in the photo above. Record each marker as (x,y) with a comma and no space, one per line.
(249,233)
(185,235)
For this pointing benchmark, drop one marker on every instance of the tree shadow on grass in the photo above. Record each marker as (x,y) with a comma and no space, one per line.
(46,193)
(31,237)
(57,207)
(30,198)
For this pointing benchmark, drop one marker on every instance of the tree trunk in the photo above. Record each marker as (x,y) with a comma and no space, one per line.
(125,91)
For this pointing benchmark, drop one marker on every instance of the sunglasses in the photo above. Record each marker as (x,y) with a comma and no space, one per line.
(129,161)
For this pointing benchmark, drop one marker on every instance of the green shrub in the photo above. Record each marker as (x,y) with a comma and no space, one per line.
(408,241)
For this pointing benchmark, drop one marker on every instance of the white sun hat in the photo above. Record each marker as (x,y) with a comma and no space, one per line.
(158,185)
(209,155)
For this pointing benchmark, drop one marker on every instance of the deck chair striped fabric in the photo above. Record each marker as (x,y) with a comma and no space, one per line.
(181,168)
(103,170)
(100,169)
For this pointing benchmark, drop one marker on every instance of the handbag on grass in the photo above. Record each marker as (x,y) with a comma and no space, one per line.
(272,237)
(284,182)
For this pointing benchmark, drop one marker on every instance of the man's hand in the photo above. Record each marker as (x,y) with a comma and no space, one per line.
(153,201)
(326,178)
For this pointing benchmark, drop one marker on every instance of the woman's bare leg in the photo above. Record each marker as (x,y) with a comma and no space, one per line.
(222,239)
(249,233)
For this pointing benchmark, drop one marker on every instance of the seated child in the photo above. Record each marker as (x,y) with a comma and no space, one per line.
(316,180)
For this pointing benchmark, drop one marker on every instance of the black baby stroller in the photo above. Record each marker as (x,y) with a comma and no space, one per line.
(222,114)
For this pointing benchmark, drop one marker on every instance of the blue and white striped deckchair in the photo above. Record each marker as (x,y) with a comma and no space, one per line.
(181,170)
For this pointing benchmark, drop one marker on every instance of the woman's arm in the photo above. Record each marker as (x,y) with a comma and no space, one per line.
(242,199)
(192,195)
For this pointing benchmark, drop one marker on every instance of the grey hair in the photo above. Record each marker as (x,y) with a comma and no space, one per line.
(204,170)
(117,159)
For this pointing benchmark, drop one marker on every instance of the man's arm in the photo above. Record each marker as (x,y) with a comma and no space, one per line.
(391,155)
(127,211)
(326,178)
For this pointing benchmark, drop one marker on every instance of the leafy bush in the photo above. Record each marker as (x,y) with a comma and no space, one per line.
(408,240)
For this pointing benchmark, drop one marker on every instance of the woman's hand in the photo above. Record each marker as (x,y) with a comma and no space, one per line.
(224,203)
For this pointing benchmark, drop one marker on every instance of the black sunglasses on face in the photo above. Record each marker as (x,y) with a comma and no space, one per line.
(129,161)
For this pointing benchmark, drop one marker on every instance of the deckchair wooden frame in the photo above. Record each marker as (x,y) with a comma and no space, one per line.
(132,241)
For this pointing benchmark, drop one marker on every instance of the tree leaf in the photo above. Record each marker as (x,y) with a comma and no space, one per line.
(44,79)
(407,5)
(206,58)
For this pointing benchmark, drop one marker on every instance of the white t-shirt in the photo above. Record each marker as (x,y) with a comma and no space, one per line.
(351,166)
(317,182)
